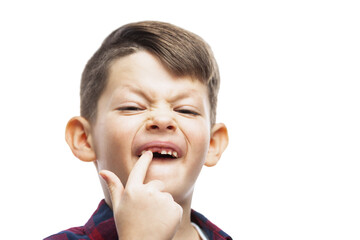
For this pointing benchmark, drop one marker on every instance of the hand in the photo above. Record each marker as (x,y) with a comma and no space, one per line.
(142,211)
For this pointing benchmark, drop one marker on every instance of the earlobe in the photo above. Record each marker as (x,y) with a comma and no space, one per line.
(218,143)
(78,137)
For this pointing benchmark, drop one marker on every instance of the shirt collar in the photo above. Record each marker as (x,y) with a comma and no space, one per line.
(210,229)
(101,225)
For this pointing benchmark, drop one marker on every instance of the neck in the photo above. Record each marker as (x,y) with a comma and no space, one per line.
(186,229)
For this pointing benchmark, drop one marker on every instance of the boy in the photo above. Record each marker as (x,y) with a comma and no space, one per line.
(148,107)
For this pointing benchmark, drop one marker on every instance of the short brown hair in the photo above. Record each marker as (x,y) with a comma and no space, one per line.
(183,53)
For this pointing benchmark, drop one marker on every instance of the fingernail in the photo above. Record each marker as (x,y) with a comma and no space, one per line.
(103,176)
(149,153)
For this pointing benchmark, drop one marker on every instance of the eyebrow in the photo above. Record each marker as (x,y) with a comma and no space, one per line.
(137,91)
(148,97)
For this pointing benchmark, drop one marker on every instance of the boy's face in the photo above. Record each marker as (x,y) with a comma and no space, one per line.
(144,107)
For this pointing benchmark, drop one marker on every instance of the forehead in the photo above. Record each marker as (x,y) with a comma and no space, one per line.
(141,71)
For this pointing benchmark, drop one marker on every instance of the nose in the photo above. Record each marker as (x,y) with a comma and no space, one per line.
(161,121)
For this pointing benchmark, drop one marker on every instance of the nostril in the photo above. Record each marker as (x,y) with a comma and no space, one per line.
(161,124)
(154,127)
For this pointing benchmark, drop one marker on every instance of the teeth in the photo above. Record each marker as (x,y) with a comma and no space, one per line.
(164,152)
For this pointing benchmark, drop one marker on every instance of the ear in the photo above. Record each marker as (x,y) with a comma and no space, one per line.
(218,143)
(78,137)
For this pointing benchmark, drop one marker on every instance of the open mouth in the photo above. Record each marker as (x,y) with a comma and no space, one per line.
(163,156)
(161,150)
(162,153)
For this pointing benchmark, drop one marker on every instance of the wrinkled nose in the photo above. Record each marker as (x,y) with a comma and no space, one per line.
(160,121)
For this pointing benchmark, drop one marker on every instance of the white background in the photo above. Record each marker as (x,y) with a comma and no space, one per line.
(290,97)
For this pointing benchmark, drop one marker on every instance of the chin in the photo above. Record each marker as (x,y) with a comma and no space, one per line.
(178,186)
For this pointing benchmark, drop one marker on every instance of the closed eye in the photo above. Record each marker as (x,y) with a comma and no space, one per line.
(130,108)
(187,111)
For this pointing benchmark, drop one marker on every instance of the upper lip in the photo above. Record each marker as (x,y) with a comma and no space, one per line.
(159,145)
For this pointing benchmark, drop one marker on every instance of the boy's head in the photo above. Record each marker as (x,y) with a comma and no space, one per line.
(181,52)
(150,86)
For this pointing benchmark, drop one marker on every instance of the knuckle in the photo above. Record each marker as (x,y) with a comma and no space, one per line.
(150,191)
(180,209)
(168,196)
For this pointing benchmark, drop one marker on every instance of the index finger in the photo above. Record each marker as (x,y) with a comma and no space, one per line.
(138,173)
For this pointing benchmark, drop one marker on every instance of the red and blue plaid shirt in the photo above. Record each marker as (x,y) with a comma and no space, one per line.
(101,226)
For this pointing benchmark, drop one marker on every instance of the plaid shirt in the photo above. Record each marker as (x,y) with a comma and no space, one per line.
(101,226)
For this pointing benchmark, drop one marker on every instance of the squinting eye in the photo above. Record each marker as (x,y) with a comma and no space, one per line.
(130,108)
(187,111)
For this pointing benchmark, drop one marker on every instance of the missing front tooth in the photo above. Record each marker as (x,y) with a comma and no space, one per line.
(159,155)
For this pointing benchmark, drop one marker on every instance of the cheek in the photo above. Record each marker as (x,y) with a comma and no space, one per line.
(199,137)
(113,141)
